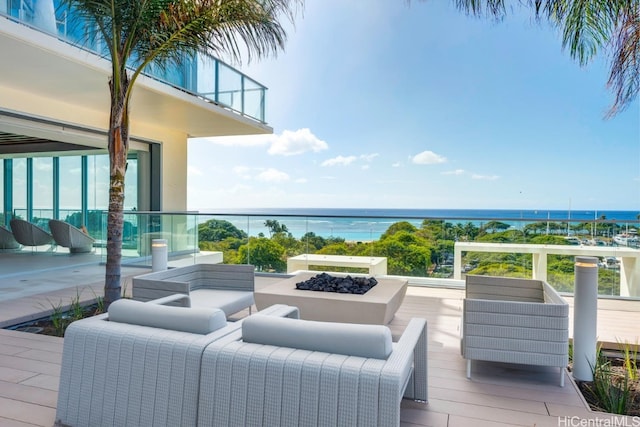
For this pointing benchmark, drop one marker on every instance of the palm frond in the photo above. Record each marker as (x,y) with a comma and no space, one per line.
(624,77)
(496,9)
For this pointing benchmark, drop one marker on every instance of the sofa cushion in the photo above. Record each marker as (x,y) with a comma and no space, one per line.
(228,301)
(187,319)
(371,341)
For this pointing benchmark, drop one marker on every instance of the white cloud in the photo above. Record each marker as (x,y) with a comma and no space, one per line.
(484,177)
(454,172)
(365,167)
(291,143)
(396,165)
(193,171)
(238,189)
(369,157)
(340,160)
(301,181)
(288,143)
(428,158)
(242,172)
(272,175)
(43,165)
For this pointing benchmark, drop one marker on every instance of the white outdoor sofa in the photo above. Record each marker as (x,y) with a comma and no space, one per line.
(139,365)
(228,287)
(289,372)
(514,320)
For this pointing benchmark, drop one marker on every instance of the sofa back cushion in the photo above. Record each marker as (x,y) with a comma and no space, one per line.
(371,341)
(196,320)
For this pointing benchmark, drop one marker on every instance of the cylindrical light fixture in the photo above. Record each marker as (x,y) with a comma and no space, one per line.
(585,317)
(159,254)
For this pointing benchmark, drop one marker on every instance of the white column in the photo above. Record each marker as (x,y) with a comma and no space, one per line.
(457,262)
(585,317)
(539,265)
(629,277)
(159,254)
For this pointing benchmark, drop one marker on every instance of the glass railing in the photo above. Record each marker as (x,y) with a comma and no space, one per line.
(210,79)
(424,249)
(428,251)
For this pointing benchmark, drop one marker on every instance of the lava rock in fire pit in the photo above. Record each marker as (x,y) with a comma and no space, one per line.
(345,285)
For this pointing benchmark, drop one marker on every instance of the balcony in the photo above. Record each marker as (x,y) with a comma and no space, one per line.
(49,57)
(511,395)
(529,248)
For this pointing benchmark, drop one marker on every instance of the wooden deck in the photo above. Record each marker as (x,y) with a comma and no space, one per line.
(497,395)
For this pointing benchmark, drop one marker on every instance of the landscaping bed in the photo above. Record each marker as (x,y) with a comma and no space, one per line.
(616,385)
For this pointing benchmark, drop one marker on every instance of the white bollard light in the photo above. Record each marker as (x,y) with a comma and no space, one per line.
(159,254)
(585,317)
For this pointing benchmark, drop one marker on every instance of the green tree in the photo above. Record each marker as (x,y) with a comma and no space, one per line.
(313,242)
(535,228)
(264,253)
(165,32)
(407,253)
(548,240)
(493,226)
(335,249)
(432,229)
(215,230)
(587,27)
(275,227)
(397,227)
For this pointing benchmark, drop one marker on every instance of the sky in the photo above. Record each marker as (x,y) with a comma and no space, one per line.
(414,105)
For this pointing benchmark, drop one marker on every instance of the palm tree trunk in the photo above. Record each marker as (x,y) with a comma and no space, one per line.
(118,149)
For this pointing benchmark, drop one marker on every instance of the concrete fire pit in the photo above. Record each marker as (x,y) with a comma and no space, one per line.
(377,306)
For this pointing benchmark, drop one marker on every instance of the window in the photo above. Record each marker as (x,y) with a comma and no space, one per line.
(42,190)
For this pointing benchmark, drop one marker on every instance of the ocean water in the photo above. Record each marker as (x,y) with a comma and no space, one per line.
(369,224)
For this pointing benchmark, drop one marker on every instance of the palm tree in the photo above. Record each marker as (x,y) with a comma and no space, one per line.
(587,26)
(166,32)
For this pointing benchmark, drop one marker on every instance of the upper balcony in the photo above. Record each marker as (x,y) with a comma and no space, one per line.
(44,54)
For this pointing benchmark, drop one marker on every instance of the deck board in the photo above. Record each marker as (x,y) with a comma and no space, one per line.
(497,395)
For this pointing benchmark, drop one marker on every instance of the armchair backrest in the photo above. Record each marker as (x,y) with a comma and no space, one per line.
(504,289)
(370,341)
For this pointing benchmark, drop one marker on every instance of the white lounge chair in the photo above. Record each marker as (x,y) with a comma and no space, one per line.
(7,241)
(29,234)
(68,236)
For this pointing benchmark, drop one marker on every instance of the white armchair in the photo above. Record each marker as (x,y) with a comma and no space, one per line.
(514,321)
(307,373)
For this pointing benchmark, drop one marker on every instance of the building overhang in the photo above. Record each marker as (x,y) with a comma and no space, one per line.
(38,63)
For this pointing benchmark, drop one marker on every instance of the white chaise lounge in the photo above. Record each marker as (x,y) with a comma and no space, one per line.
(139,365)
(277,372)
